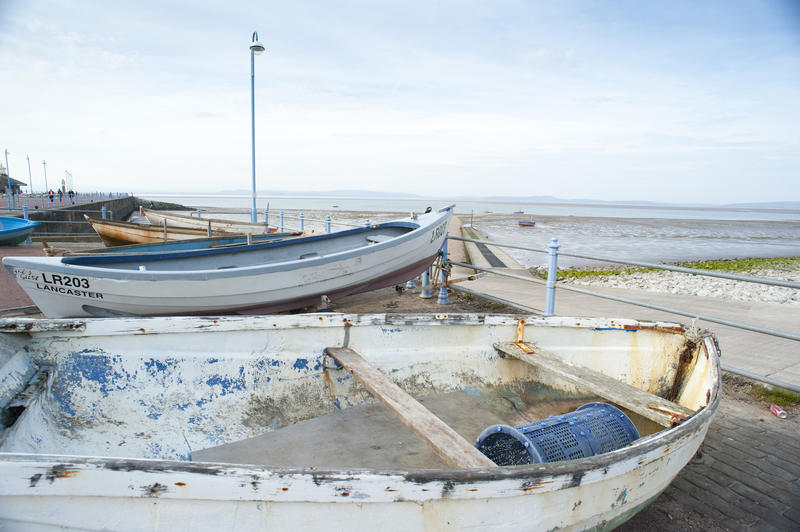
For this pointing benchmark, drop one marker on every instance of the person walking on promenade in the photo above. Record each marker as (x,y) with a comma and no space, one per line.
(50,193)
(71,194)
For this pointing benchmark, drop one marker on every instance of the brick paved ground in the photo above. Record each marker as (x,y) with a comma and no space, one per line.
(747,476)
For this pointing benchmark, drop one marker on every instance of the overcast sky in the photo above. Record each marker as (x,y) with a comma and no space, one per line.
(674,101)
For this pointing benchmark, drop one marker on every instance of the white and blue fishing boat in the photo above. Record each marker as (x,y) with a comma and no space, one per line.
(276,422)
(15,230)
(262,277)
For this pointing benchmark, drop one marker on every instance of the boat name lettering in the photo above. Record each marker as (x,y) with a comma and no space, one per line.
(68,291)
(439,231)
(66,280)
(25,275)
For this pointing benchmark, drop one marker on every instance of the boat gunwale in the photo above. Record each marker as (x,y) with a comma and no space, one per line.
(577,468)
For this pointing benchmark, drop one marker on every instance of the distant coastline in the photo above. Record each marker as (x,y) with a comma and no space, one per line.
(532,200)
(405,204)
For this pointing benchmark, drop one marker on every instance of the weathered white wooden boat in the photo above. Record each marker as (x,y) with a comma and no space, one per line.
(216,224)
(15,230)
(246,423)
(119,233)
(268,276)
(191,244)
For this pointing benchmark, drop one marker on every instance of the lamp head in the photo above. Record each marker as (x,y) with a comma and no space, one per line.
(255,46)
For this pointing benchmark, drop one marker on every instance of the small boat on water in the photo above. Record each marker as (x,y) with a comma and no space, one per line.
(526,223)
(15,230)
(164,423)
(261,277)
(216,224)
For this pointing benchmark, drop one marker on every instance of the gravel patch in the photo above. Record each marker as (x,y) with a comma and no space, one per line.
(695,285)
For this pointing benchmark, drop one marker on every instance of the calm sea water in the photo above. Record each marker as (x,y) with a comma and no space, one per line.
(652,234)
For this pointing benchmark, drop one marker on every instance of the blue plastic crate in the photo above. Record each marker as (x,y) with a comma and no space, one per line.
(592,429)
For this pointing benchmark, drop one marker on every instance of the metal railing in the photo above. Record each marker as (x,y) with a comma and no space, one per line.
(104,213)
(551,284)
(42,200)
(281,226)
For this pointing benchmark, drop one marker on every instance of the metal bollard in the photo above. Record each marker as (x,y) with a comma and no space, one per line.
(410,284)
(103,210)
(328,224)
(302,223)
(25,216)
(266,220)
(552,271)
(281,221)
(426,284)
(443,299)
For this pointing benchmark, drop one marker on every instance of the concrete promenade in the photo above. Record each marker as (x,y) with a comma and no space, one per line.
(747,473)
(756,352)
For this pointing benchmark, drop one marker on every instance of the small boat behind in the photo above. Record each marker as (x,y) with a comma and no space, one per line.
(216,224)
(173,246)
(526,223)
(157,423)
(257,278)
(15,230)
(119,233)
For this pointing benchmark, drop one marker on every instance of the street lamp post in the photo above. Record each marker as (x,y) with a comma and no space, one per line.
(46,188)
(30,181)
(255,48)
(10,191)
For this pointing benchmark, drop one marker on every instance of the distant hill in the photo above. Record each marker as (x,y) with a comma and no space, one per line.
(783,205)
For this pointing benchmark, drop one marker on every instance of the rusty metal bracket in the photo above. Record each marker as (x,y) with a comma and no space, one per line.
(521,337)
(675,417)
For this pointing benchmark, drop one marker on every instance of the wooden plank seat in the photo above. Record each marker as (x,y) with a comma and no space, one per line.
(445,441)
(648,405)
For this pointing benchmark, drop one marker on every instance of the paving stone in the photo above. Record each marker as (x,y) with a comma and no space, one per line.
(707,503)
(779,461)
(769,436)
(793,513)
(767,514)
(752,481)
(747,448)
(702,481)
(687,495)
(745,464)
(737,460)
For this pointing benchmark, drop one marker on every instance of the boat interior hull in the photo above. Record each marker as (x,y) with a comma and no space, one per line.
(247,421)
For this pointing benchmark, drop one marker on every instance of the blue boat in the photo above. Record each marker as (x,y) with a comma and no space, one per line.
(15,230)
